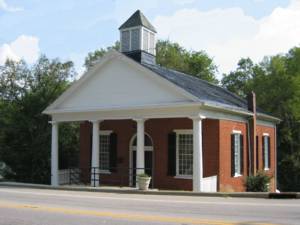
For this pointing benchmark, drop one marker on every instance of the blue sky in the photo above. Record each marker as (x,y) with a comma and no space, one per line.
(70,29)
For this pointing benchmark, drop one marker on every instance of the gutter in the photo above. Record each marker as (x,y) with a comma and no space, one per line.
(268,118)
(227,110)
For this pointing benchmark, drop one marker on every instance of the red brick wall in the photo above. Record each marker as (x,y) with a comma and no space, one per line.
(271,131)
(227,183)
(216,135)
(158,129)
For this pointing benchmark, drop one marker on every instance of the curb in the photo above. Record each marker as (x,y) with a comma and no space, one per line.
(284,195)
(266,195)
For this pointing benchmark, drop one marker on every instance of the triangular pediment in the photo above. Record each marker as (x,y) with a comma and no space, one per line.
(119,82)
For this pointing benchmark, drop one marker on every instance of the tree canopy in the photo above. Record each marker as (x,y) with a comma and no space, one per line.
(173,56)
(25,133)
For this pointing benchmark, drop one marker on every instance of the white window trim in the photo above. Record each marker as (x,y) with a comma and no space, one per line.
(104,172)
(183,131)
(237,175)
(188,177)
(266,135)
(178,132)
(240,133)
(236,132)
(107,133)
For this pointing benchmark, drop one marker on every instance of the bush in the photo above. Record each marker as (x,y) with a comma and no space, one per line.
(258,183)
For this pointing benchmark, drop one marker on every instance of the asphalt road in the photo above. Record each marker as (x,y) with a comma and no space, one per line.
(22,206)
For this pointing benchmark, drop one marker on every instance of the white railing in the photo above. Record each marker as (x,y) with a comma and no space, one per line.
(210,184)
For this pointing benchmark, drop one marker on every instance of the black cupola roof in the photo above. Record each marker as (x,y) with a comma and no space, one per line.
(137,19)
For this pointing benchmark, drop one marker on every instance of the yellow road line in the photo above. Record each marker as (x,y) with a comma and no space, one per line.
(126,216)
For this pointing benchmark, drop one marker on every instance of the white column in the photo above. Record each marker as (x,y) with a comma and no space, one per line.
(197,155)
(95,154)
(54,154)
(140,155)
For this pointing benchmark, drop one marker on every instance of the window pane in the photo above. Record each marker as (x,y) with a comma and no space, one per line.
(237,157)
(104,152)
(266,152)
(185,154)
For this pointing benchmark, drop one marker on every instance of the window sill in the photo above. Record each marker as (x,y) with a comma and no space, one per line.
(237,175)
(266,169)
(183,177)
(104,172)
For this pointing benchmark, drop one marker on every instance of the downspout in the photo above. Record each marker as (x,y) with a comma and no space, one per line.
(251,123)
(249,148)
(275,181)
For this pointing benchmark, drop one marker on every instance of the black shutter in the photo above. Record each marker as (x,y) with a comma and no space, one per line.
(263,151)
(91,149)
(113,152)
(242,153)
(232,156)
(269,151)
(257,153)
(172,154)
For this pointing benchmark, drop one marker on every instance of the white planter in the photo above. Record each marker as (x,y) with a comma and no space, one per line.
(143,183)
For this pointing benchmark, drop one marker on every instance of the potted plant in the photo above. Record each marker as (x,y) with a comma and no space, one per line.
(143,181)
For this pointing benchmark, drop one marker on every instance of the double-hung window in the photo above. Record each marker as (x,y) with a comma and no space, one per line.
(104,151)
(236,153)
(266,150)
(184,153)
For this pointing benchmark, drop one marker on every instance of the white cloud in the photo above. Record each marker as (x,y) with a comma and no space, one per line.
(4,6)
(24,47)
(229,34)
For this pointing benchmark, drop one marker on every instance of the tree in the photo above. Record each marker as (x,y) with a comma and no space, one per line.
(173,56)
(196,63)
(97,54)
(237,81)
(25,132)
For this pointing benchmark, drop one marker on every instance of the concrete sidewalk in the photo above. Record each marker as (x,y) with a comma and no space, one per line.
(130,190)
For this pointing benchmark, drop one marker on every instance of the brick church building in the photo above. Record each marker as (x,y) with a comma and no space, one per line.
(139,117)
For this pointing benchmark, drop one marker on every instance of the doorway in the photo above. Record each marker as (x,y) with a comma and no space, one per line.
(148,157)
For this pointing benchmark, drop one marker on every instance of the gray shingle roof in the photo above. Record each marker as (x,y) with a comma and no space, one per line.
(137,19)
(202,89)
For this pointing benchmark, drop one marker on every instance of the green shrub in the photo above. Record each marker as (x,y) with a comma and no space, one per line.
(258,183)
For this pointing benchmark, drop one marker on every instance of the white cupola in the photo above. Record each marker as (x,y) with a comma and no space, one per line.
(137,34)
